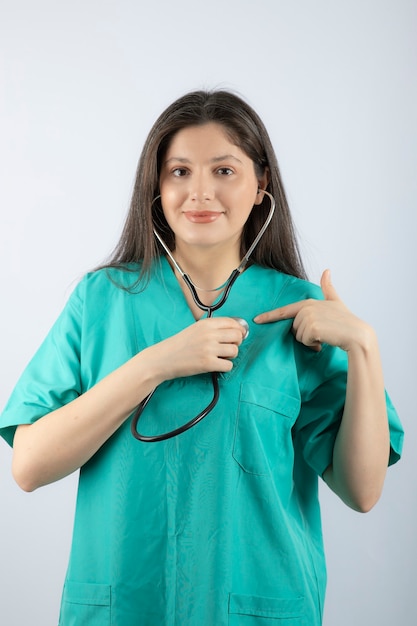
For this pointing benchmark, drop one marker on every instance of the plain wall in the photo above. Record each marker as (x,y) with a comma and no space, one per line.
(335,82)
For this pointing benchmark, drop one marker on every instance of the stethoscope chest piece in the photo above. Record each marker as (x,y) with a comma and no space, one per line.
(244,324)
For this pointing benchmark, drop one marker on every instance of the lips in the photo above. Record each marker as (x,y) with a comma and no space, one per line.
(202,217)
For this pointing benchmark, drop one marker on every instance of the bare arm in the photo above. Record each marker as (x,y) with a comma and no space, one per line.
(361,451)
(65,439)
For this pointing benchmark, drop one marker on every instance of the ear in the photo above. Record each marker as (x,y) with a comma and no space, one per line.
(262,184)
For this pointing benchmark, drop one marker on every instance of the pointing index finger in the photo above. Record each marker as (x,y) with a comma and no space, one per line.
(289,311)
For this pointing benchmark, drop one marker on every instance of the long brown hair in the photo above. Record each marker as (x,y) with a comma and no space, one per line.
(278,247)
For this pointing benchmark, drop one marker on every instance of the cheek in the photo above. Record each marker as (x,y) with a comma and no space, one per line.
(171,197)
(243,195)
(167,202)
(171,203)
(243,204)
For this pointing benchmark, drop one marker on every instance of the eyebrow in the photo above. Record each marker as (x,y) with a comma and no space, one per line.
(223,157)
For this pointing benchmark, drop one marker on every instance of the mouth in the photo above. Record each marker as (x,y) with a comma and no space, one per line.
(202,217)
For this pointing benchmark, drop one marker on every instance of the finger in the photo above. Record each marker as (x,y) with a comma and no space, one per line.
(225,323)
(327,288)
(282,313)
(232,336)
(307,335)
(227,351)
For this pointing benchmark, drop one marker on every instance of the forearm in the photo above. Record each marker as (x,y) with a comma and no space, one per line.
(361,451)
(65,439)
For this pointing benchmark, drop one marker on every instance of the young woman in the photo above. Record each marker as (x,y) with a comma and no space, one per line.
(219,525)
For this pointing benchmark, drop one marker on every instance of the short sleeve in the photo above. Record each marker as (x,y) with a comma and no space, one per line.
(52,378)
(323,397)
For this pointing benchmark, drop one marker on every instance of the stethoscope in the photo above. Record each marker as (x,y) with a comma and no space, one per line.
(209,309)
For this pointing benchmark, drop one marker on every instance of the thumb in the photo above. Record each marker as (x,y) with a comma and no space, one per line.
(327,288)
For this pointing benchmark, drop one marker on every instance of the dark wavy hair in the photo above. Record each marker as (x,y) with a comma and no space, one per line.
(278,247)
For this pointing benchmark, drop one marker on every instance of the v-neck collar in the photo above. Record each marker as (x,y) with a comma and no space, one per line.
(240,303)
(174,287)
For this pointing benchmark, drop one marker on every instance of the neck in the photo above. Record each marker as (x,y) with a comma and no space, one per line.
(208,269)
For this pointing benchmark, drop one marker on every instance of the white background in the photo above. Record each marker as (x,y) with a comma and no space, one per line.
(81,82)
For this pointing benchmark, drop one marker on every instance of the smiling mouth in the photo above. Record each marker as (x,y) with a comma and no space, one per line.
(202,217)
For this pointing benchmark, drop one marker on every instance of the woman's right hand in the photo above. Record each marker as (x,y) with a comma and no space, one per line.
(209,345)
(66,438)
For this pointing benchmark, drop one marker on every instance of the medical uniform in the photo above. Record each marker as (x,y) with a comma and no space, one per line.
(219,526)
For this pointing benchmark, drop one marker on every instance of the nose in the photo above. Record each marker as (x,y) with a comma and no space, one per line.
(201,188)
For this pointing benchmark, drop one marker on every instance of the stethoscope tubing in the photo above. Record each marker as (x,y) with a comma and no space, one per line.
(209,309)
(180,429)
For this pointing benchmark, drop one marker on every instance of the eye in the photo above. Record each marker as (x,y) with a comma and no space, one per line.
(178,172)
(225,171)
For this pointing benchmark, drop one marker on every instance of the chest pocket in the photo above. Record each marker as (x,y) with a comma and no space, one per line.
(262,440)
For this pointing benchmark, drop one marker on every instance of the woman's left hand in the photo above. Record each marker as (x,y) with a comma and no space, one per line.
(361,450)
(321,321)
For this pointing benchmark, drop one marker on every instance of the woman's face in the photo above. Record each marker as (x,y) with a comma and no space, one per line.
(208,188)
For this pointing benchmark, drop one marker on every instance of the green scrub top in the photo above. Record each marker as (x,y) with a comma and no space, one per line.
(220,525)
